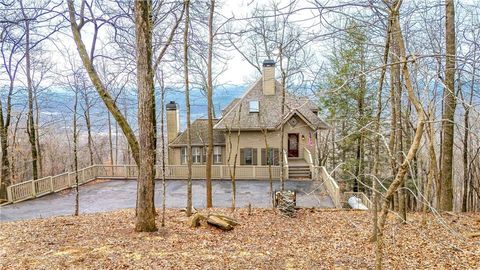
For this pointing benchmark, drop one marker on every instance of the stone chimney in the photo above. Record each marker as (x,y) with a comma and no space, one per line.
(173,121)
(268,77)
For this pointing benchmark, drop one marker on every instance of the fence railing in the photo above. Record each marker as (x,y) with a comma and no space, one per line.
(40,187)
(43,186)
(330,184)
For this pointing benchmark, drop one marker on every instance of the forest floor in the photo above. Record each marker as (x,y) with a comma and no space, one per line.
(314,239)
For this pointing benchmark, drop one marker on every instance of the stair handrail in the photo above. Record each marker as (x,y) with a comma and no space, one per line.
(331,186)
(307,156)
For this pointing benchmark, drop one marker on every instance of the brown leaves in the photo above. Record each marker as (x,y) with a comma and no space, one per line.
(265,240)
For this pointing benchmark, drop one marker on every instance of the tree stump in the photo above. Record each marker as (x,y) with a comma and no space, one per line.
(286,201)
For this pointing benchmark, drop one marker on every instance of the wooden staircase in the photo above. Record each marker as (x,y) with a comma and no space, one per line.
(299,172)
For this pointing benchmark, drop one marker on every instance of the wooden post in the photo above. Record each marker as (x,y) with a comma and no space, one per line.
(9,194)
(69,179)
(221,171)
(254,172)
(34,192)
(126,172)
(51,183)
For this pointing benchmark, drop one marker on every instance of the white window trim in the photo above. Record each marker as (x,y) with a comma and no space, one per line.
(183,155)
(250,151)
(196,153)
(254,106)
(217,154)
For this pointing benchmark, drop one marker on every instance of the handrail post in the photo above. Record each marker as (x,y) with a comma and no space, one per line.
(34,192)
(51,183)
(9,194)
(69,179)
(126,171)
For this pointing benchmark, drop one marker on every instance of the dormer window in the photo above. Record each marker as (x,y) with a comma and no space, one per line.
(254,106)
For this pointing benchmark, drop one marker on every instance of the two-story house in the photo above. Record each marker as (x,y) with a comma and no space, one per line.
(249,126)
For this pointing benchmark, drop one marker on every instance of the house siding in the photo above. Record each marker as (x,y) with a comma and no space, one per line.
(255,139)
(175,156)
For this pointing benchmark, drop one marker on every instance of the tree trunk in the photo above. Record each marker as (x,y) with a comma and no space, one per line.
(466,136)
(5,169)
(88,124)
(145,221)
(208,168)
(30,117)
(282,129)
(270,178)
(110,141)
(448,118)
(378,116)
(359,171)
(162,136)
(75,155)
(37,136)
(187,104)
(402,170)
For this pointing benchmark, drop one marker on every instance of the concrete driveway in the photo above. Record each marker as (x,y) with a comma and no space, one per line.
(117,194)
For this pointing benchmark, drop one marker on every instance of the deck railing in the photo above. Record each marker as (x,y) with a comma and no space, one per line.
(40,187)
(330,184)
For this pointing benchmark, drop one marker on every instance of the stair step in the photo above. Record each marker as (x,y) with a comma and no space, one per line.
(299,177)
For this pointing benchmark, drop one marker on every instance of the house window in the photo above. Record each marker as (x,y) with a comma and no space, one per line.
(248,156)
(196,155)
(272,158)
(254,106)
(217,155)
(183,155)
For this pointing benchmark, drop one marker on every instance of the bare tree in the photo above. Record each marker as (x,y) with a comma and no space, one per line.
(208,172)
(448,118)
(87,60)
(146,118)
(187,104)
(403,168)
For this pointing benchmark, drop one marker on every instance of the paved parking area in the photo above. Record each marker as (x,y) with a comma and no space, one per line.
(109,195)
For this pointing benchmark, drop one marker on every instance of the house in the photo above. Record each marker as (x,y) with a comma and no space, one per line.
(257,119)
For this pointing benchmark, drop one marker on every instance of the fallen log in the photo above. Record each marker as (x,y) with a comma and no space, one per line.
(473,235)
(195,220)
(227,219)
(219,223)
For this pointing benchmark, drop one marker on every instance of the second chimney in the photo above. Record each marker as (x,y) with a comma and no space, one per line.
(268,77)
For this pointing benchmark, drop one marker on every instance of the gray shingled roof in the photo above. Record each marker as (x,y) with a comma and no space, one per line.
(230,106)
(270,115)
(199,129)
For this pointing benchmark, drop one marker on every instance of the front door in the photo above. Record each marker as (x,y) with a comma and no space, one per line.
(293,145)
